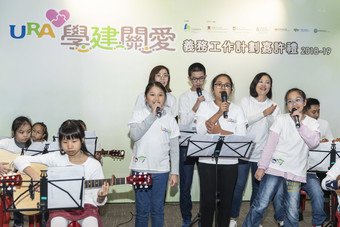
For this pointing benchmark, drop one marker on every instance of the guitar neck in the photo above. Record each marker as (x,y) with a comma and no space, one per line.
(112,153)
(98,183)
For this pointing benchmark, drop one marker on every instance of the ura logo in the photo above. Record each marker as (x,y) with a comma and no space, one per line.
(30,28)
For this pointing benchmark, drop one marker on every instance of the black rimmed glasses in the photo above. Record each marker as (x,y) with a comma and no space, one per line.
(224,86)
(199,79)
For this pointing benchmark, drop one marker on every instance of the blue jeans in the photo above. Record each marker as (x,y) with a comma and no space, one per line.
(186,171)
(269,185)
(151,202)
(278,202)
(315,193)
(243,173)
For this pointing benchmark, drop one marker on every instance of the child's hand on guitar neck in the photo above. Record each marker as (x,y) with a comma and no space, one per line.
(102,193)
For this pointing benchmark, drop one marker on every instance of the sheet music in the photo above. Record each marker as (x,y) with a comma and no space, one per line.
(35,148)
(234,146)
(58,198)
(319,158)
(185,136)
(91,141)
(53,146)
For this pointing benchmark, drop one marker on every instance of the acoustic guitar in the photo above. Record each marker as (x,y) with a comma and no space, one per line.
(27,198)
(6,158)
(114,154)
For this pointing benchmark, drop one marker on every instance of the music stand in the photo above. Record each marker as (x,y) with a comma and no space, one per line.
(37,148)
(216,146)
(323,157)
(185,136)
(55,194)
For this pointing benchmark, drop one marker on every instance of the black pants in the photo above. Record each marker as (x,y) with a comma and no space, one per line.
(226,177)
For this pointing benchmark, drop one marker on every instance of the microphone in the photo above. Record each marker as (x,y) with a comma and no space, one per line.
(158,112)
(296,119)
(199,91)
(224,97)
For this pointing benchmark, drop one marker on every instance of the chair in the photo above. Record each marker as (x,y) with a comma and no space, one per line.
(5,217)
(74,224)
(303,198)
(34,220)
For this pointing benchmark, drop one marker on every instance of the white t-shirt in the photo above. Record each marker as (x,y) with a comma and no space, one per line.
(151,152)
(186,101)
(236,123)
(258,125)
(170,105)
(93,170)
(10,145)
(325,130)
(291,152)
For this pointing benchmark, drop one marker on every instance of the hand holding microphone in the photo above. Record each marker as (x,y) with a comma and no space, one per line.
(224,98)
(158,112)
(157,109)
(199,92)
(296,119)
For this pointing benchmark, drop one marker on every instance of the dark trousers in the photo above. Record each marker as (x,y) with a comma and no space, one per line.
(226,177)
(186,172)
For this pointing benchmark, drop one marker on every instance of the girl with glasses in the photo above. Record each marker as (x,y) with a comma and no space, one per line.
(284,160)
(221,117)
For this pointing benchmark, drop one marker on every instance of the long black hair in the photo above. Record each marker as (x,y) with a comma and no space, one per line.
(72,129)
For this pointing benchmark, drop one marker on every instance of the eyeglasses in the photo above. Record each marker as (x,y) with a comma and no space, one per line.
(200,79)
(163,75)
(293,101)
(224,86)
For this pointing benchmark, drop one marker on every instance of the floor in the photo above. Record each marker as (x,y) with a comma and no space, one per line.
(122,215)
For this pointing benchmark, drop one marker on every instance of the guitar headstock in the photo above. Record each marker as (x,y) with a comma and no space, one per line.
(140,180)
(119,154)
(11,180)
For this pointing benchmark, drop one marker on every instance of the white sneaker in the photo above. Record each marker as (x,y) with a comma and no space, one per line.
(260,225)
(233,223)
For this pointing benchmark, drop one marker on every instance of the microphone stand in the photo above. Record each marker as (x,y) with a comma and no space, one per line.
(43,197)
(216,156)
(332,199)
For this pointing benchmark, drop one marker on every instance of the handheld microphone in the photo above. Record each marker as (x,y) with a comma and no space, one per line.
(296,119)
(224,97)
(158,112)
(199,91)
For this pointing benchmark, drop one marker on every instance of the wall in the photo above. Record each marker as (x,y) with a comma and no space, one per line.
(46,76)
